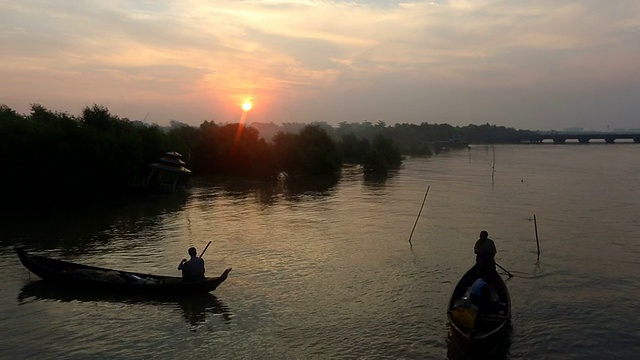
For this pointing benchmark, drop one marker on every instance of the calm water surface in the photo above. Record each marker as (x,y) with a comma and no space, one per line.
(326,271)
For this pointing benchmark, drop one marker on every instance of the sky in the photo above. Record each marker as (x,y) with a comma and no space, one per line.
(530,64)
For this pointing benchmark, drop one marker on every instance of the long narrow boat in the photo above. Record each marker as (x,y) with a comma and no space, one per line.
(478,332)
(78,275)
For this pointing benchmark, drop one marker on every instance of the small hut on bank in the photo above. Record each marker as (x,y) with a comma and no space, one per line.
(169,174)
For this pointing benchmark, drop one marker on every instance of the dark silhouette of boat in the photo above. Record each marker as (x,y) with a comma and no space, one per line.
(78,275)
(478,333)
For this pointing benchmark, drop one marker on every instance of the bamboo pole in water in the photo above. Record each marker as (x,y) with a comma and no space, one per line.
(493,165)
(419,212)
(535,225)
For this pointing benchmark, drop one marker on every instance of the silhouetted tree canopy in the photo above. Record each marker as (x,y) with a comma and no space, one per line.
(54,156)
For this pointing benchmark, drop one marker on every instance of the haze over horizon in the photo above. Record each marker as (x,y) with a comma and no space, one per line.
(537,65)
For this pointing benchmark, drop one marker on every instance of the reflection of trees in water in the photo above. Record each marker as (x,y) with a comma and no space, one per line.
(316,187)
(375,181)
(296,189)
(49,228)
(195,307)
(266,192)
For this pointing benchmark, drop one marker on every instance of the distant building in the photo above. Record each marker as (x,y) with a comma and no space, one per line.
(627,131)
(573,129)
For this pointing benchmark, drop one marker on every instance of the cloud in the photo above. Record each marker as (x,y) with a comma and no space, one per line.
(438,61)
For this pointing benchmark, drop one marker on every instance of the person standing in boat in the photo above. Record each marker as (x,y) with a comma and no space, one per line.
(192,269)
(485,250)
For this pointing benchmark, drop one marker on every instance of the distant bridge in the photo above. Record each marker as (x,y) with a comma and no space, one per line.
(581,137)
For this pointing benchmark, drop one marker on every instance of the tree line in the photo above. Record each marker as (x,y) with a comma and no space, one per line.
(53,156)
(411,139)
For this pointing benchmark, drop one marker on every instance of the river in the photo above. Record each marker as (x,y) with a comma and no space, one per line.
(326,271)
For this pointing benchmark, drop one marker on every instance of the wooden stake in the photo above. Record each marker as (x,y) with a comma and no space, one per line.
(493,165)
(535,224)
(419,212)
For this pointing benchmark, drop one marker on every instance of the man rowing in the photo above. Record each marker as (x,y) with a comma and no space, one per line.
(192,269)
(485,250)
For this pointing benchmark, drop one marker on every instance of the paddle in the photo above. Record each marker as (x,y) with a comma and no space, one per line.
(205,248)
(505,270)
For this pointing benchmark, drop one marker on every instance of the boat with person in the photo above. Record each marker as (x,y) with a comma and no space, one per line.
(71,274)
(476,331)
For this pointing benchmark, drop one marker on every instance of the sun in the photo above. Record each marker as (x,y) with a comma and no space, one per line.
(247,105)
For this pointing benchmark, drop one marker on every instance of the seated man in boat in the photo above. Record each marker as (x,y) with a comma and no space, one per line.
(485,250)
(482,295)
(192,269)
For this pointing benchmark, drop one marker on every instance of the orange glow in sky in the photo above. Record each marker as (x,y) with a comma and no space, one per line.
(205,62)
(243,119)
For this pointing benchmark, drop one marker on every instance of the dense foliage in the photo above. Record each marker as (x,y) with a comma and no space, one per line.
(53,156)
(411,139)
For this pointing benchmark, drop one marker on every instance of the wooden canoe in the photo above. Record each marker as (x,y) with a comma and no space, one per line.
(488,329)
(77,275)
